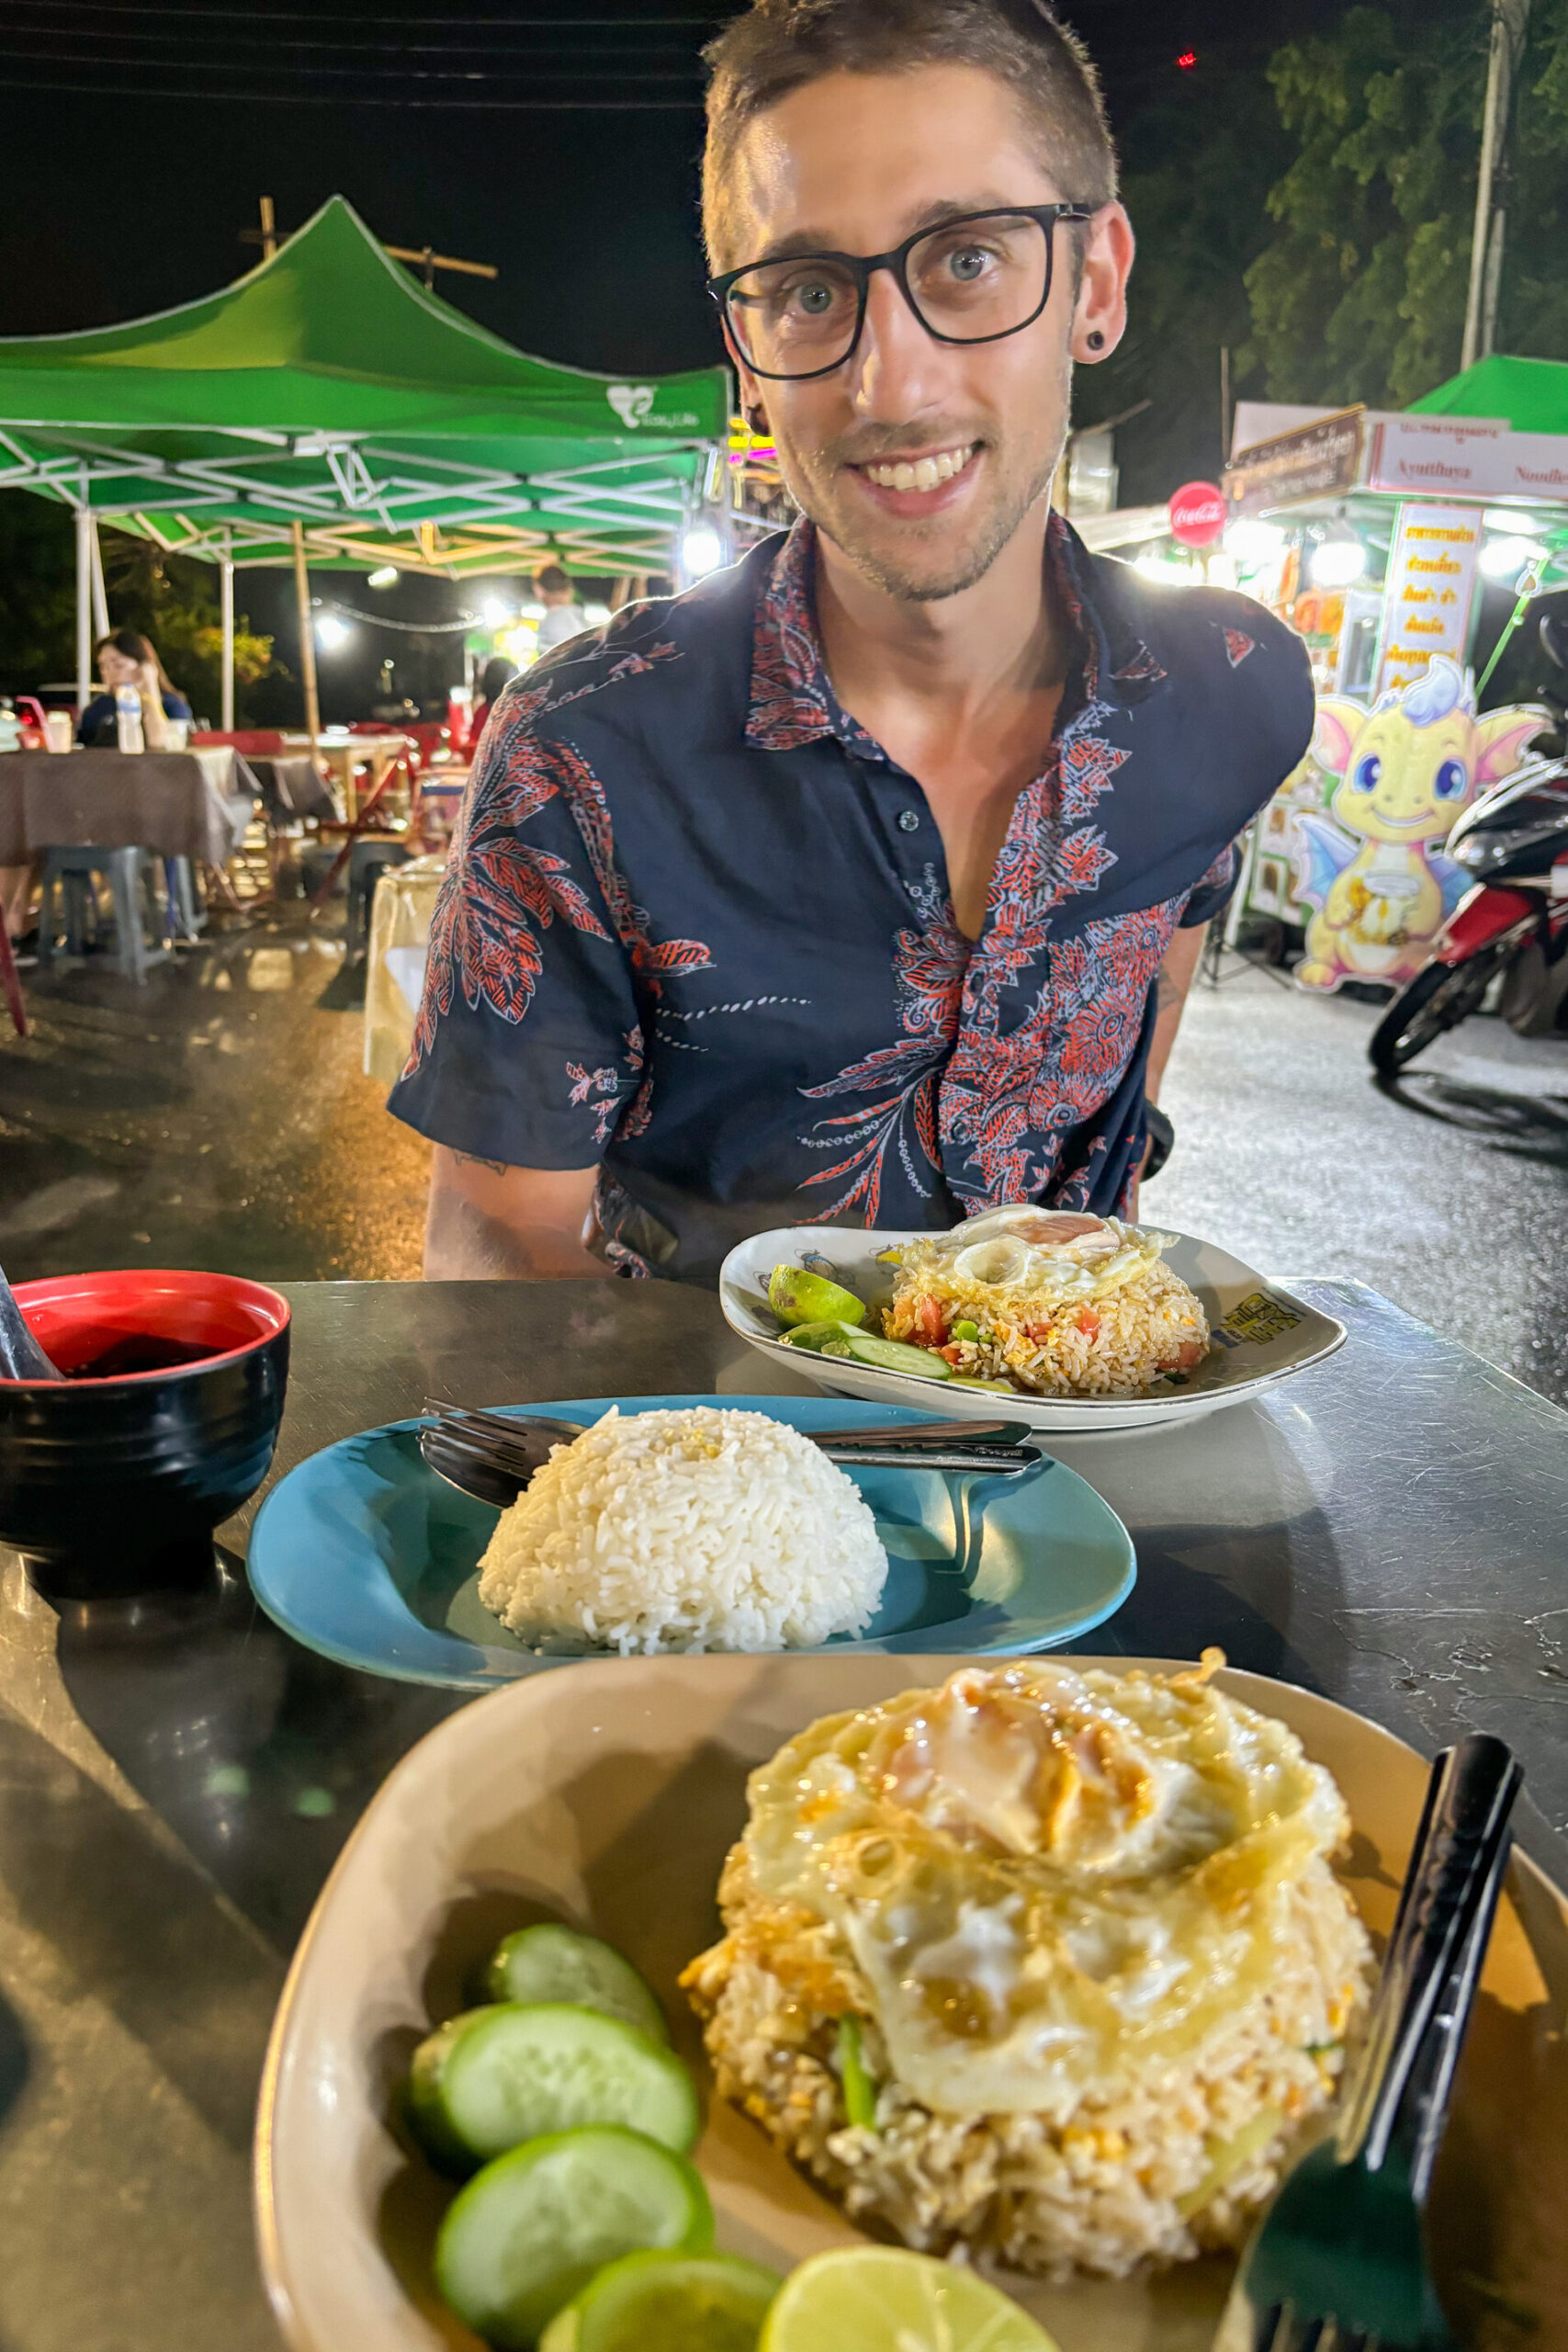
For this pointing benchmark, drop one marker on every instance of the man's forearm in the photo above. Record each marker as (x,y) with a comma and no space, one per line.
(1172,983)
(489,1222)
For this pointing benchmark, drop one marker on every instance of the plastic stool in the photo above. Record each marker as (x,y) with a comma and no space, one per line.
(75,869)
(366,862)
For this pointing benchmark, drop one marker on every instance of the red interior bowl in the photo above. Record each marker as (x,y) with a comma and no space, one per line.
(210,1318)
(113,1483)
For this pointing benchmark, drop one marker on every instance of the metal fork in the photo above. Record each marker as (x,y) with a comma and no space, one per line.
(492,1455)
(1338,2264)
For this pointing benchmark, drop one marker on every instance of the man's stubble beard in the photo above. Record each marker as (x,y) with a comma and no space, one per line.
(904,581)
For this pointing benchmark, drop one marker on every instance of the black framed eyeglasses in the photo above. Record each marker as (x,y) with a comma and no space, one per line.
(973,280)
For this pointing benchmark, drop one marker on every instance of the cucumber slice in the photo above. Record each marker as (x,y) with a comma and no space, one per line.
(496,2076)
(814,1336)
(992,1387)
(667,2302)
(889,1355)
(555,1964)
(531,2229)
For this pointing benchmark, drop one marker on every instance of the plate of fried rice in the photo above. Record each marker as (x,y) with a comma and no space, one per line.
(1048,1965)
(1080,1323)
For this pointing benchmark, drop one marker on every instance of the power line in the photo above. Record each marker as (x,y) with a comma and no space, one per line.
(343,16)
(384,73)
(379,48)
(340,98)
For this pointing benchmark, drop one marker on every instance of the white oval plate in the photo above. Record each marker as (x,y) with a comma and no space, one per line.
(608,1795)
(1264,1334)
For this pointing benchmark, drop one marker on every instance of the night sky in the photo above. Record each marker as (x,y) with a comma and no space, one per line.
(115,201)
(560,142)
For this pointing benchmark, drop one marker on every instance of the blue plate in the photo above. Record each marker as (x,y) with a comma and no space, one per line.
(364,1554)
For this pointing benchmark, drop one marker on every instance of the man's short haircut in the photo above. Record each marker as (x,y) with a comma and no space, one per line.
(781,45)
(551,580)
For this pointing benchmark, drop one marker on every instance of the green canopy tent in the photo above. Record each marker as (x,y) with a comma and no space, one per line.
(326,408)
(1531,395)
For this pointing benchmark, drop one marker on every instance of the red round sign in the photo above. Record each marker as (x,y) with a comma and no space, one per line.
(1198,513)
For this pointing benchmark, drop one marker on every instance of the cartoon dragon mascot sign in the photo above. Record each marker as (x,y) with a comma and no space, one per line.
(1407,766)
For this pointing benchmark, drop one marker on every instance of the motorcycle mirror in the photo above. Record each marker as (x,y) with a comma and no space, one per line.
(1554,639)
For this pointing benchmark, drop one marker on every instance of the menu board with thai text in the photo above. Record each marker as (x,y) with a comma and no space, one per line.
(1428,592)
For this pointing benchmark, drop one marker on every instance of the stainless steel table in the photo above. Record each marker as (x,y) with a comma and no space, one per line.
(176,1778)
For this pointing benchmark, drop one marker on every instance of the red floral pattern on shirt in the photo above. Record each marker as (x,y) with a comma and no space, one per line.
(928,970)
(500,891)
(1008,1047)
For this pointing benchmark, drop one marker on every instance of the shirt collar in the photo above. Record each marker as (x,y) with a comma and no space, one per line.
(792,701)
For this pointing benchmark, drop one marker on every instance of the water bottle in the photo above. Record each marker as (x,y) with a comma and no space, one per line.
(127,719)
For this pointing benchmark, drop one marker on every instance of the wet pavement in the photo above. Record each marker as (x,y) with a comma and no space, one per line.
(220,1117)
(217,1117)
(1449,1193)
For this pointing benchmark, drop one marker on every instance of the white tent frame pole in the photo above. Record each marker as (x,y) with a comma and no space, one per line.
(100,594)
(84,603)
(226,591)
(307,636)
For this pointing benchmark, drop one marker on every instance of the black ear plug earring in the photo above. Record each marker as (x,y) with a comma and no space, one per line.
(1095,340)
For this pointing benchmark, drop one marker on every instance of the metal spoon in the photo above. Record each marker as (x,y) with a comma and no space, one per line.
(21,1358)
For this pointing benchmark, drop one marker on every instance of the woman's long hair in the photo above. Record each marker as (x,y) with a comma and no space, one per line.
(137,648)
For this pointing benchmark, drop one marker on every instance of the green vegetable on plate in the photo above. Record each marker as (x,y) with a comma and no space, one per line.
(796,1296)
(888,1355)
(550,1963)
(666,2302)
(531,2229)
(494,2077)
(860,2091)
(814,1336)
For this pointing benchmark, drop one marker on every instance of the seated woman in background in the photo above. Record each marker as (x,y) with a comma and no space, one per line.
(497,672)
(126,658)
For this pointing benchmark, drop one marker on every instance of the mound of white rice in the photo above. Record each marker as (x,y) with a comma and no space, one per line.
(698,1530)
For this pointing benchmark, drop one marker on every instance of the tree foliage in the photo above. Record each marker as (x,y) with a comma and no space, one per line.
(171,599)
(1361,295)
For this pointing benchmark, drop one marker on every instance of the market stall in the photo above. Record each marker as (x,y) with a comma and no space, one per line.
(326,410)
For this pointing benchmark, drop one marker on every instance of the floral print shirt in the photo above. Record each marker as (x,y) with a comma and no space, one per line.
(695,926)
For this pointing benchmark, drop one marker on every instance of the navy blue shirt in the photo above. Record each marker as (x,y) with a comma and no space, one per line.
(97,726)
(695,925)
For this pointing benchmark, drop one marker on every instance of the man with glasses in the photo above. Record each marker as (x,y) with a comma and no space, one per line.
(861,884)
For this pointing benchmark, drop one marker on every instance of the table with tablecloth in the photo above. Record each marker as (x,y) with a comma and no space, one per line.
(180,804)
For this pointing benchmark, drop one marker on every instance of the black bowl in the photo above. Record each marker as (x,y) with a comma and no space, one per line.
(113,1480)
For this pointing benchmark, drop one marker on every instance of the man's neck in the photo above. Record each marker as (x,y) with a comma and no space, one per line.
(1000,639)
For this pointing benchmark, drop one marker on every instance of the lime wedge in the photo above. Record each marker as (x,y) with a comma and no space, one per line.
(796,1296)
(666,2302)
(877,2298)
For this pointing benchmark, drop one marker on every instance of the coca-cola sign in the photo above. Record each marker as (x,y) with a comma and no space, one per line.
(1198,514)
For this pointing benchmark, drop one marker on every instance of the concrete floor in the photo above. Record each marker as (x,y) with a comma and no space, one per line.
(218,1117)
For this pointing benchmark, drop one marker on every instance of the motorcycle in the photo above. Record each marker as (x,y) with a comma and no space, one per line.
(1512,924)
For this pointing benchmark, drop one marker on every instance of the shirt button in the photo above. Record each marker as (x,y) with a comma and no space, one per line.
(908,822)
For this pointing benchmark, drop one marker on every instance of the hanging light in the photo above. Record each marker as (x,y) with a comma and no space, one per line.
(1251,542)
(1339,558)
(702,552)
(386,577)
(331,632)
(494,614)
(1505,559)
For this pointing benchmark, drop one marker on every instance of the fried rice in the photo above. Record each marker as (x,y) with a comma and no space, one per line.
(1147,2162)
(1123,1340)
